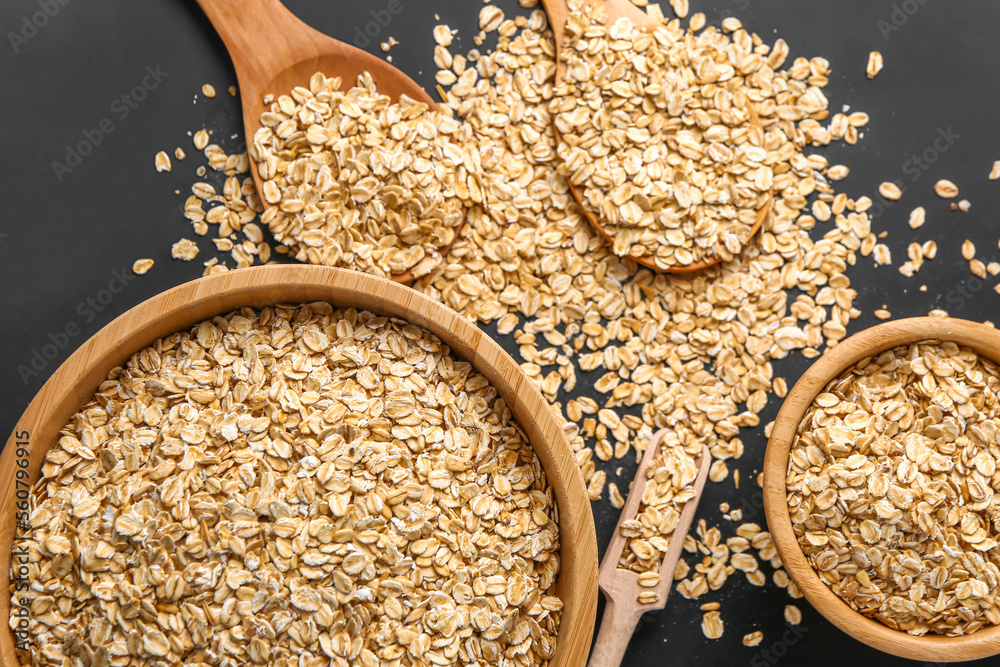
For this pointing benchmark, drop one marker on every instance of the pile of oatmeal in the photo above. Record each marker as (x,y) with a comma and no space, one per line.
(892,488)
(290,486)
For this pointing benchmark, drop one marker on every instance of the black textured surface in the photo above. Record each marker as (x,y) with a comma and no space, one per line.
(66,238)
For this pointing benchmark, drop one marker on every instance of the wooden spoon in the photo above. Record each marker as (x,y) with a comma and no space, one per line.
(620,586)
(558,13)
(273,52)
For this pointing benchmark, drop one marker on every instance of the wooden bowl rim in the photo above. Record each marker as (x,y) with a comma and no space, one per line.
(189,303)
(985,341)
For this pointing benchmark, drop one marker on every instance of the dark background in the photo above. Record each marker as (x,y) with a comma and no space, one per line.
(61,242)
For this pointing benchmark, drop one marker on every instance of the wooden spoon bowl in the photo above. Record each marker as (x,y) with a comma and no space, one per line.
(981,338)
(558,13)
(75,382)
(273,52)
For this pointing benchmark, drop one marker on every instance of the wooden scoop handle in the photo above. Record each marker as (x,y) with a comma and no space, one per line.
(617,626)
(621,588)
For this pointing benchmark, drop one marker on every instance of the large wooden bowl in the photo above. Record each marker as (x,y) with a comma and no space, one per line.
(981,338)
(74,384)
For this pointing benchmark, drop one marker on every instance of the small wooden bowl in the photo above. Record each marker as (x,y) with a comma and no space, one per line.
(75,382)
(981,338)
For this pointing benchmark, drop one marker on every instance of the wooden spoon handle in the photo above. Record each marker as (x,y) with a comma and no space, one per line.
(617,626)
(557,13)
(260,35)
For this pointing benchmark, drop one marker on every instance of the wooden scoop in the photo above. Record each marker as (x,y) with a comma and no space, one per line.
(273,52)
(620,586)
(558,13)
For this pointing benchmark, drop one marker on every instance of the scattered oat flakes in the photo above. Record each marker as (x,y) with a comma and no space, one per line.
(780,387)
(208,90)
(179,153)
(201,139)
(490,18)
(793,615)
(141,266)
(753,639)
(946,189)
(615,496)
(680,7)
(881,254)
(711,624)
(995,171)
(837,172)
(968,249)
(875,64)
(883,314)
(917,217)
(595,487)
(443,36)
(162,161)
(184,249)
(890,190)
(731,24)
(964,205)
